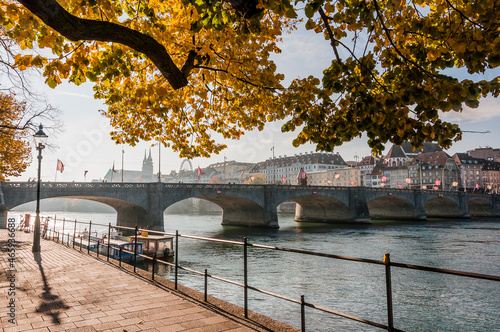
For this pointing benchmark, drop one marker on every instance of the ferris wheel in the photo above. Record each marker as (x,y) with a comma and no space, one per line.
(183,167)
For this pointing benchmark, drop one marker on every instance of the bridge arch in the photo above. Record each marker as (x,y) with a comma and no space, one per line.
(236,211)
(392,208)
(479,207)
(442,207)
(128,214)
(319,208)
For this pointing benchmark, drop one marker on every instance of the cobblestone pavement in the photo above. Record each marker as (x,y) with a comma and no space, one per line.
(71,291)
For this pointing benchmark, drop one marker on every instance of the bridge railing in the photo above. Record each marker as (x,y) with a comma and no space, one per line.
(71,238)
(284,187)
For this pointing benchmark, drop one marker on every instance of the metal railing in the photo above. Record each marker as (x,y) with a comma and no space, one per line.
(57,236)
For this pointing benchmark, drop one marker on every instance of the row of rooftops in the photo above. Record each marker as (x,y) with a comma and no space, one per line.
(311,158)
(430,154)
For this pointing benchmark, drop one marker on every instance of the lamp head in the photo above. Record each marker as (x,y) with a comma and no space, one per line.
(40,138)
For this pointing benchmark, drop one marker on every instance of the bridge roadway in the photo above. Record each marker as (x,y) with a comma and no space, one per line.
(143,204)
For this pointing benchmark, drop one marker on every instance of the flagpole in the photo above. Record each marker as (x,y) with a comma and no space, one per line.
(123,152)
(274,168)
(159,161)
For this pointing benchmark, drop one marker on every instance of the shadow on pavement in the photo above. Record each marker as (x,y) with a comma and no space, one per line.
(51,304)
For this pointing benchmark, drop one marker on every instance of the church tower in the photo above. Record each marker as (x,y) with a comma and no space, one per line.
(147,168)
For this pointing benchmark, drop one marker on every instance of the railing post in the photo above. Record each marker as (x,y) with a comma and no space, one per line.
(176,256)
(97,249)
(67,241)
(135,248)
(302,313)
(206,284)
(388,284)
(81,242)
(154,264)
(90,232)
(64,221)
(245,275)
(74,235)
(120,256)
(109,236)
(53,234)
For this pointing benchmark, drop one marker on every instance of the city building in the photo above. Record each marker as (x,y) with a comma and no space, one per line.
(399,155)
(144,175)
(232,171)
(366,166)
(471,170)
(491,176)
(487,153)
(433,170)
(285,169)
(339,177)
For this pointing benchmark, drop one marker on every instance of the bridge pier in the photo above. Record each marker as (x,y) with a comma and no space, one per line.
(155,208)
(324,209)
(419,205)
(463,205)
(247,217)
(130,216)
(358,208)
(495,201)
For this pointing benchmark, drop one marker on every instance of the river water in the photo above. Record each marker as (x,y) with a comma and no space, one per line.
(422,301)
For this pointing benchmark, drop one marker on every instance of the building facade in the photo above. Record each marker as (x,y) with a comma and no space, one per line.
(471,170)
(284,169)
(434,170)
(339,177)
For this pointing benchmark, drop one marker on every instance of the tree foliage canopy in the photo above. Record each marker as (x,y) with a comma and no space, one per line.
(15,151)
(179,70)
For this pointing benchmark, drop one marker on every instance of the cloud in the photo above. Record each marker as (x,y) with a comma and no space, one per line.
(488,110)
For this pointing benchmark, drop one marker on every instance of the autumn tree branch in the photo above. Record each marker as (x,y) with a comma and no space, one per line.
(75,29)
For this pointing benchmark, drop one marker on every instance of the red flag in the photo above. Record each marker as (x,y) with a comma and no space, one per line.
(113,169)
(60,166)
(200,172)
(85,173)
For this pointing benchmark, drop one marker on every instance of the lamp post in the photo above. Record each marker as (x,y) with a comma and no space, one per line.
(40,140)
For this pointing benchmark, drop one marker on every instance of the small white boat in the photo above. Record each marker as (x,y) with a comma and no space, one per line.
(162,245)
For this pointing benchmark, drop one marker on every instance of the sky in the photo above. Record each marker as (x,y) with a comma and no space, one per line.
(85,145)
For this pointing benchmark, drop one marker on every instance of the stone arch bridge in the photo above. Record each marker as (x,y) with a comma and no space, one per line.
(143,204)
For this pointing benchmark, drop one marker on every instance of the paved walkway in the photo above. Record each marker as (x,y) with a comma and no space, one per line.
(71,291)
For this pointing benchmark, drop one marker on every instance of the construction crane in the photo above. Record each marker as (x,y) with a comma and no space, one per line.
(476,132)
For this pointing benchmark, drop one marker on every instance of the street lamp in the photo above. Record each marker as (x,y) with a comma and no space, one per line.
(40,140)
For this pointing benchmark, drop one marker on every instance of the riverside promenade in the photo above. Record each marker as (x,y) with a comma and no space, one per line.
(67,290)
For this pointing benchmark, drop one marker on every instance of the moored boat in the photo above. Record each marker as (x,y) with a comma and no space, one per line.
(127,249)
(162,245)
